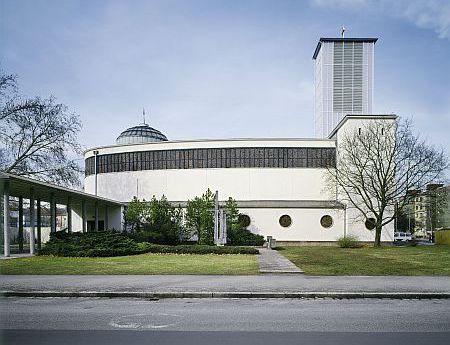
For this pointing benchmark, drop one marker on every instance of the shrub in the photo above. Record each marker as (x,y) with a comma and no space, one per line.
(155,221)
(134,214)
(349,241)
(198,249)
(237,234)
(102,243)
(200,219)
(244,237)
(109,243)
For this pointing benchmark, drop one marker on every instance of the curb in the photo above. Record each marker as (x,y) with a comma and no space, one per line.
(240,294)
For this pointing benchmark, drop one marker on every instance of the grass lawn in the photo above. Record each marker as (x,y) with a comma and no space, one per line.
(133,264)
(410,261)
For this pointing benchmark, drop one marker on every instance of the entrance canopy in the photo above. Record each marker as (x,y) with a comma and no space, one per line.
(19,186)
(80,207)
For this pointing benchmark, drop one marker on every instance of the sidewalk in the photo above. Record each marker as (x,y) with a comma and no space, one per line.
(270,261)
(267,286)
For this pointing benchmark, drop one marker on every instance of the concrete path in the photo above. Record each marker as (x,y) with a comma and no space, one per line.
(270,261)
(257,284)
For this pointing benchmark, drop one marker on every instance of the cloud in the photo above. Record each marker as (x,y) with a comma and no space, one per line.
(425,14)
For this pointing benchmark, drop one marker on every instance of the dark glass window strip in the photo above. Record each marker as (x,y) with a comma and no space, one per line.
(246,157)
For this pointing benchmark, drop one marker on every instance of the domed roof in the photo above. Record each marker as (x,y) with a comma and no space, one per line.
(139,135)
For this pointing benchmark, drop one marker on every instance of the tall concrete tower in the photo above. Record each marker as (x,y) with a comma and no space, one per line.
(343,77)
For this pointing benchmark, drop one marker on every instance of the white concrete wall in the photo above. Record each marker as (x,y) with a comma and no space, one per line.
(356,226)
(305,223)
(185,184)
(241,184)
(77,224)
(115,217)
(355,222)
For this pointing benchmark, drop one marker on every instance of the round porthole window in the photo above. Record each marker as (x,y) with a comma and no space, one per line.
(244,220)
(326,221)
(285,221)
(370,223)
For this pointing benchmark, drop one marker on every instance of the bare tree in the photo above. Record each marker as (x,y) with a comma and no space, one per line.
(38,137)
(8,92)
(378,165)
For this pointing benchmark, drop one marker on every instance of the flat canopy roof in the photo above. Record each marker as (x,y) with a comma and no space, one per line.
(341,39)
(21,186)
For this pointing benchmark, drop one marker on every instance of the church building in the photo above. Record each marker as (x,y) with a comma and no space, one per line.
(278,183)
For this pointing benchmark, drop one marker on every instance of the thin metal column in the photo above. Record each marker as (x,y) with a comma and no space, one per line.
(6,247)
(345,221)
(20,223)
(69,214)
(83,214)
(106,222)
(223,231)
(96,216)
(32,220)
(52,213)
(216,218)
(38,216)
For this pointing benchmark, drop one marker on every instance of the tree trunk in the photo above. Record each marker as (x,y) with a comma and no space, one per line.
(377,236)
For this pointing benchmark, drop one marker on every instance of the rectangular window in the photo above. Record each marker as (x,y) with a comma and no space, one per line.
(259,157)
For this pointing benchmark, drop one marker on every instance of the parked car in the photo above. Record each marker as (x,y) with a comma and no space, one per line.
(402,237)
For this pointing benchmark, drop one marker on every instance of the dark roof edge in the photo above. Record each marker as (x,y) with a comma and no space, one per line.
(345,39)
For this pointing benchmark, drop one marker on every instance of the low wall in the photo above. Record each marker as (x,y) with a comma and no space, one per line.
(442,236)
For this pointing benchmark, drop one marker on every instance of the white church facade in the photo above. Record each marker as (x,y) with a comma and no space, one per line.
(280,184)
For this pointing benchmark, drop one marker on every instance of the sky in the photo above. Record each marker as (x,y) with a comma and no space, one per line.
(221,69)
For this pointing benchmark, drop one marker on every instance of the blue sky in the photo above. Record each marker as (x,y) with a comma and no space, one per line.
(221,69)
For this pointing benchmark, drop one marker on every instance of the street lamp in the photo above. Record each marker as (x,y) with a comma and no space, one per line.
(95,170)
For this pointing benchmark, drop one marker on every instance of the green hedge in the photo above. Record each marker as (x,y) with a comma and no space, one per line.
(92,244)
(199,249)
(244,237)
(442,236)
(108,243)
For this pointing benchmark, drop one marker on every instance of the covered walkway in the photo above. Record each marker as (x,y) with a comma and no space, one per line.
(83,209)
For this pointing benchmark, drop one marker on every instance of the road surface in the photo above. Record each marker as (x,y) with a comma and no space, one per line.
(223,321)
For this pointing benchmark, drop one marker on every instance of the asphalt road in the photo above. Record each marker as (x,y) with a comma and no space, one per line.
(223,321)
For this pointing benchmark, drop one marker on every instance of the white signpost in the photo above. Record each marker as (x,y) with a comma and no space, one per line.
(220,223)
(216,218)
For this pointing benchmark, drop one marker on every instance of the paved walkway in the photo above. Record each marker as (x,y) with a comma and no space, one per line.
(270,261)
(209,283)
